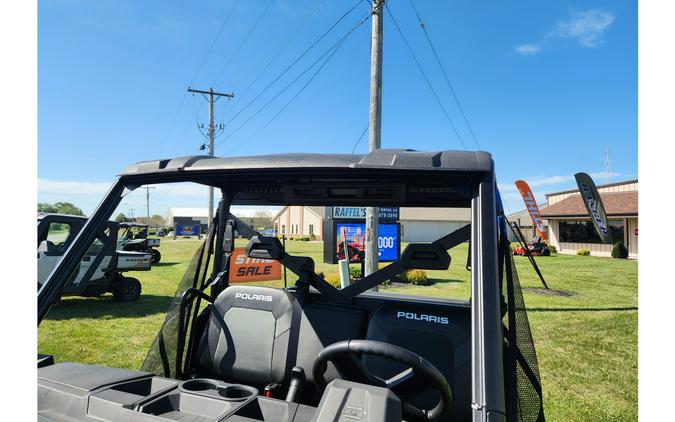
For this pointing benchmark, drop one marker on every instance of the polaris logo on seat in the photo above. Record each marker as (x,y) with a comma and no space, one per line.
(248,296)
(422,317)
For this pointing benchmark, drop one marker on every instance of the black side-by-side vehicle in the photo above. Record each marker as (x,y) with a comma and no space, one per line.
(311,352)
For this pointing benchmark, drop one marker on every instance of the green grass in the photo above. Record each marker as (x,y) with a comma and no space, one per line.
(586,342)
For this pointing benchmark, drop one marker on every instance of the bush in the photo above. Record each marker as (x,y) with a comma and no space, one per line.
(312,237)
(354,272)
(305,238)
(619,251)
(416,277)
(583,252)
(553,249)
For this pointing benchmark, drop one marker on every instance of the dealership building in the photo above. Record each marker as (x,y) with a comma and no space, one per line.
(416,224)
(570,227)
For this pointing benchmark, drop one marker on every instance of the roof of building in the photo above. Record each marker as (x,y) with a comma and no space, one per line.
(189,212)
(395,159)
(525,214)
(616,204)
(608,185)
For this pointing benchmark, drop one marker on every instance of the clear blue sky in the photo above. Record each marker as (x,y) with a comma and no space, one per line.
(546,86)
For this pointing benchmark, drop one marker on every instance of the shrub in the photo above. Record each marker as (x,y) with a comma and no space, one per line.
(619,251)
(354,272)
(583,252)
(416,277)
(312,237)
(305,238)
(553,249)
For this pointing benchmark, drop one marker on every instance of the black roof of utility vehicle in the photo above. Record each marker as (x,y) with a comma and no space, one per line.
(394,159)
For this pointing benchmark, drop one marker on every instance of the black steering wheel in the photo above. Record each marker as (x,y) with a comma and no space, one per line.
(345,355)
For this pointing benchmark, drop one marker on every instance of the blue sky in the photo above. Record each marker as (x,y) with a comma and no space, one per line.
(546,86)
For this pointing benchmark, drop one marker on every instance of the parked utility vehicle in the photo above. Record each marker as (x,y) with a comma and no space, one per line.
(312,352)
(101,269)
(134,237)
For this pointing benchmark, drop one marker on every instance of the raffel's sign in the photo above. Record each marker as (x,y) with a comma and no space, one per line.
(357,213)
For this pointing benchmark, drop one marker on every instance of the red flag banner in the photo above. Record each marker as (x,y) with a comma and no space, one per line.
(532,208)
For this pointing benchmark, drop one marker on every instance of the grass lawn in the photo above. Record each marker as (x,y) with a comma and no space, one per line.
(586,340)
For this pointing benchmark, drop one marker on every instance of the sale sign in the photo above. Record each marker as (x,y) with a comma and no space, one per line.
(245,270)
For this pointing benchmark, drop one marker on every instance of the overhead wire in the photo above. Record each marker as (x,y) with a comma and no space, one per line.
(445,74)
(243,42)
(360,137)
(290,66)
(307,69)
(426,78)
(278,50)
(297,94)
(201,64)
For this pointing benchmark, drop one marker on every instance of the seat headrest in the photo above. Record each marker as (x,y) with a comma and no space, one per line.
(269,299)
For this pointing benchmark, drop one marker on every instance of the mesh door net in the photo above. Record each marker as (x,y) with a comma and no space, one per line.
(161,358)
(523,383)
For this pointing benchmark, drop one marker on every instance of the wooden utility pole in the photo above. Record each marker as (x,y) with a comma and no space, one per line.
(374,129)
(147,202)
(211,96)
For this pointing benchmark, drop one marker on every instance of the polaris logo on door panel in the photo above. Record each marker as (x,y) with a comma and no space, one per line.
(423,317)
(248,296)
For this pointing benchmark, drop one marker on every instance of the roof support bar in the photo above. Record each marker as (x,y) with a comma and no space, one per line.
(487,398)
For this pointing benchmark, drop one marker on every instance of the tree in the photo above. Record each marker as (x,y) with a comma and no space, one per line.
(60,208)
(68,208)
(262,219)
(121,218)
(157,221)
(45,207)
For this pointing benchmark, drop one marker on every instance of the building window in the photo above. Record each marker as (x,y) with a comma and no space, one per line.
(311,229)
(283,229)
(584,232)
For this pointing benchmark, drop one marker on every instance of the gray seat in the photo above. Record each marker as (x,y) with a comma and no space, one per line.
(250,336)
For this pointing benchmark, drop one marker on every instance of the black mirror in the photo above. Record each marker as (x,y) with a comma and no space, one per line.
(425,256)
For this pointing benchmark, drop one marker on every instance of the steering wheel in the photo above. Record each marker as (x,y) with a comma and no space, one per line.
(345,355)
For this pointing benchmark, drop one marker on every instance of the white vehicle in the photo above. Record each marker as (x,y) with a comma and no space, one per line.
(100,270)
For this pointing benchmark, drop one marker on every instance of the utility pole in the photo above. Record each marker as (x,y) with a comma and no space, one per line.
(374,129)
(211,96)
(147,202)
(131,211)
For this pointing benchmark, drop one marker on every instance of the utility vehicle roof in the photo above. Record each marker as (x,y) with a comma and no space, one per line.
(386,177)
(132,224)
(42,215)
(394,159)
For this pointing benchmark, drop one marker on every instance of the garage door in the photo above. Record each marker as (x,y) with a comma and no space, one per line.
(428,231)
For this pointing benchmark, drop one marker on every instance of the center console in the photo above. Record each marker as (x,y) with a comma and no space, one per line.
(77,392)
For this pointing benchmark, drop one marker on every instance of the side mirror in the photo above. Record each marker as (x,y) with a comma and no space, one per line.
(425,256)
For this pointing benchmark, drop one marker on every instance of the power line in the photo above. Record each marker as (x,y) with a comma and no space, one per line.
(248,35)
(304,53)
(445,75)
(182,100)
(316,72)
(360,137)
(213,43)
(426,79)
(279,50)
(327,52)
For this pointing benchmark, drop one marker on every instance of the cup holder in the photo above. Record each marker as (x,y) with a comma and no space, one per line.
(199,384)
(236,392)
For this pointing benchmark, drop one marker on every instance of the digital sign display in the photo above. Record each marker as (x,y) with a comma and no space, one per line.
(388,240)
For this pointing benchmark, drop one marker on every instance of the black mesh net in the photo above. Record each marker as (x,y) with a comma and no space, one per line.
(523,392)
(161,358)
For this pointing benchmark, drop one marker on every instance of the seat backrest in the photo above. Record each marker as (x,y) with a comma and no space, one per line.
(439,334)
(246,338)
